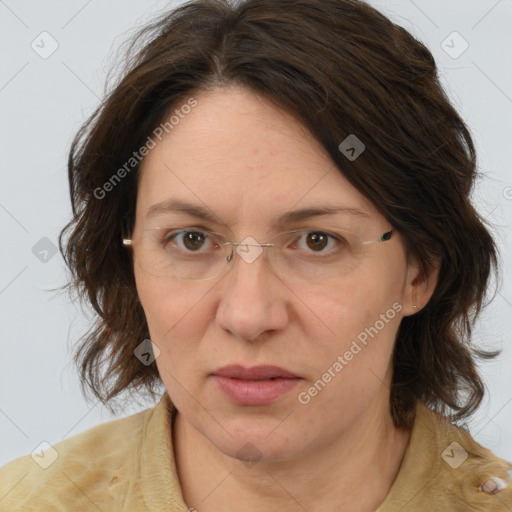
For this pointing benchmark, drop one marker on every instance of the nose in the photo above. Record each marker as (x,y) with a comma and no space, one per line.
(253,300)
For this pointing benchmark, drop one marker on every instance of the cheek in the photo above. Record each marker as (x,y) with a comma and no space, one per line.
(174,327)
(174,315)
(357,320)
(349,367)
(357,303)
(164,304)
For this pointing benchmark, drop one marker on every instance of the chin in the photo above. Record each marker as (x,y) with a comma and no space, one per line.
(257,440)
(254,451)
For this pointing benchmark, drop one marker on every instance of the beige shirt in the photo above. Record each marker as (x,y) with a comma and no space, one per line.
(128,465)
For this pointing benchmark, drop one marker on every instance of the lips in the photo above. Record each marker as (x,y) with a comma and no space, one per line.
(257,386)
(254,373)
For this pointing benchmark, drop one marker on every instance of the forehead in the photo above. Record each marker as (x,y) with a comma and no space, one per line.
(238,155)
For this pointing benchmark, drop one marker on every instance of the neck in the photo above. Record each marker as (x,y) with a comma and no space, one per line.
(352,474)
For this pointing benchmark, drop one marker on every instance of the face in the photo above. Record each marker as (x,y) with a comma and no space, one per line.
(248,164)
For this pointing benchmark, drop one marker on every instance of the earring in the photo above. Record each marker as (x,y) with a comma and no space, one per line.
(414,307)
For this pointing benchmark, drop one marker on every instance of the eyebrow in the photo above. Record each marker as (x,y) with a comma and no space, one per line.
(200,212)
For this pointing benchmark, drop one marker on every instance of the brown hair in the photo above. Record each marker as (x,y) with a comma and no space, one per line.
(341,68)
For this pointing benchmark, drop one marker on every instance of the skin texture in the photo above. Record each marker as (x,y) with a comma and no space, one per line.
(248,163)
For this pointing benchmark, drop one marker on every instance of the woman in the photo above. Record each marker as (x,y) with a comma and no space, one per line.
(272,219)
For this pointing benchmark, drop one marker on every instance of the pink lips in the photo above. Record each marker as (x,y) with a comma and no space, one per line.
(260,385)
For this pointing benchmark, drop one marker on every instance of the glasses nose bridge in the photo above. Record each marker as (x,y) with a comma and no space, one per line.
(253,251)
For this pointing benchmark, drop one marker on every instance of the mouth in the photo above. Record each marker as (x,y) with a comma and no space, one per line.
(257,386)
(255,373)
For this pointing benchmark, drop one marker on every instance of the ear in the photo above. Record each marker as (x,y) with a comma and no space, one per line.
(419,286)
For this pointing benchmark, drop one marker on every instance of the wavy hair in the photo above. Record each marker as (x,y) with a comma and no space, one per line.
(340,67)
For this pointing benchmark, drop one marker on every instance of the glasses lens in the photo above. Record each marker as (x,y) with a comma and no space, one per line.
(316,256)
(311,256)
(180,254)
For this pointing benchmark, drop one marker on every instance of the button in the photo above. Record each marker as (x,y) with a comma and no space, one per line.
(493,485)
(112,482)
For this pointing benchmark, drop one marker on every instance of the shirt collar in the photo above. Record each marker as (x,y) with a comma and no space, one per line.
(160,484)
(427,465)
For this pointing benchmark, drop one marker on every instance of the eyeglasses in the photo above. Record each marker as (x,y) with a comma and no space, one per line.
(191,254)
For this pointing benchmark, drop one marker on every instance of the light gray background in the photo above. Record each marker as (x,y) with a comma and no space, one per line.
(44,101)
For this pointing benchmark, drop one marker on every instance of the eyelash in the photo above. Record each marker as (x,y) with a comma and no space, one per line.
(170,235)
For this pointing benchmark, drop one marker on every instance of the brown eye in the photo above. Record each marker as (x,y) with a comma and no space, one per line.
(193,240)
(317,240)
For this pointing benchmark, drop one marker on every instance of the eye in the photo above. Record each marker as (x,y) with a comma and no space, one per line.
(188,240)
(317,241)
